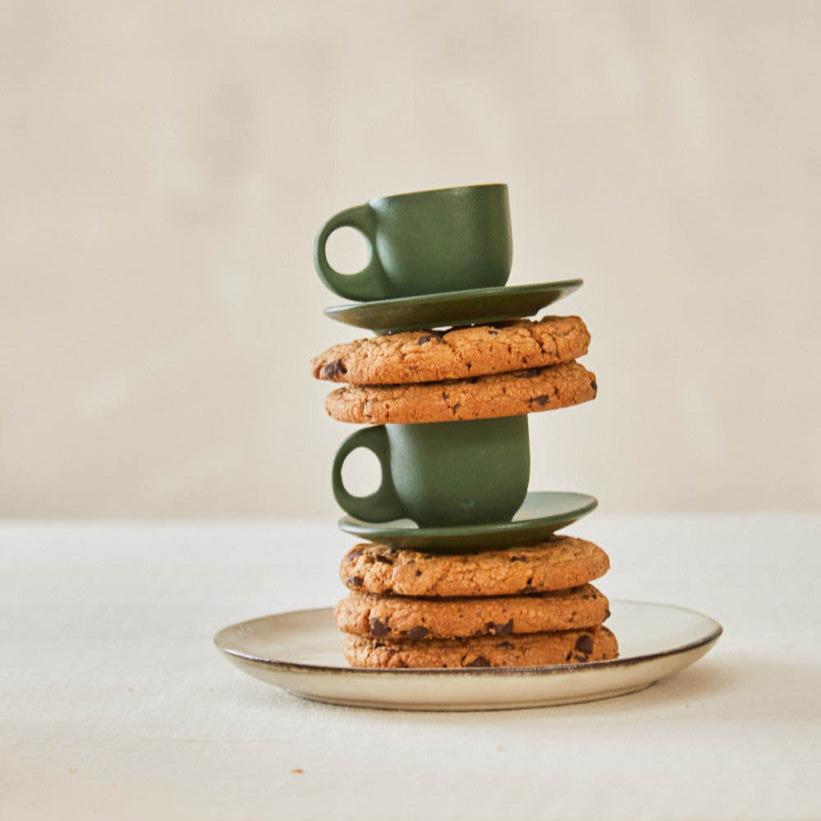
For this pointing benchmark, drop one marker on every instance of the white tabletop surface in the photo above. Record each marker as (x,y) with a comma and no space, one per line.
(115,705)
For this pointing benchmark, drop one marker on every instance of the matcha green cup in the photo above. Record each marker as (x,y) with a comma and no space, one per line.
(426,242)
(442,474)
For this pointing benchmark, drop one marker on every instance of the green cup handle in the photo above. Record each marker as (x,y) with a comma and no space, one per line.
(382,505)
(368,284)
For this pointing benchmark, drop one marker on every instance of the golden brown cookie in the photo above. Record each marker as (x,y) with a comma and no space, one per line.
(557,564)
(483,397)
(533,650)
(413,619)
(433,356)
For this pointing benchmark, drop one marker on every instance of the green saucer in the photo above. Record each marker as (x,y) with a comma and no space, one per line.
(541,515)
(471,307)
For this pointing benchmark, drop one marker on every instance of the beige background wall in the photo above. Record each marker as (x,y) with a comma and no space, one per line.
(165,165)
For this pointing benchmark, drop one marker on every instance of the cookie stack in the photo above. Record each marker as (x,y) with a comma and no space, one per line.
(468,571)
(521,606)
(518,607)
(483,372)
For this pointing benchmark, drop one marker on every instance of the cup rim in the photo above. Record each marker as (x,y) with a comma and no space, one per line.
(455,190)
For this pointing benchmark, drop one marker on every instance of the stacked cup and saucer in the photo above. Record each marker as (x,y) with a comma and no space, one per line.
(461,592)
(436,280)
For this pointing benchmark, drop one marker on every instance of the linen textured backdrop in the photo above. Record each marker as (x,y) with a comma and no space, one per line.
(165,166)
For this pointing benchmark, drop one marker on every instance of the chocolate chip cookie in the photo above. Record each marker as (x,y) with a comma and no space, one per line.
(483,397)
(433,356)
(535,649)
(557,564)
(416,619)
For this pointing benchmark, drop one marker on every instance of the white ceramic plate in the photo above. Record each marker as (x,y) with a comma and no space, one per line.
(302,652)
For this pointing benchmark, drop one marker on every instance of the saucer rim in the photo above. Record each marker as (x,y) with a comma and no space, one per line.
(470,530)
(450,296)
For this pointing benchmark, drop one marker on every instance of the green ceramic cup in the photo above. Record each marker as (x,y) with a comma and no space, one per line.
(426,242)
(442,474)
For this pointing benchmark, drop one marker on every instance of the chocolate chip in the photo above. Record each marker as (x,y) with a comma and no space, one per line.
(584,644)
(383,559)
(418,572)
(569,655)
(541,400)
(607,614)
(378,627)
(428,335)
(594,386)
(492,332)
(517,558)
(335,368)
(505,645)
(355,581)
(479,661)
(416,633)
(496,629)
(528,373)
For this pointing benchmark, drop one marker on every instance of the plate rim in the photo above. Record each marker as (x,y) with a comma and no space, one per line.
(542,670)
(417,532)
